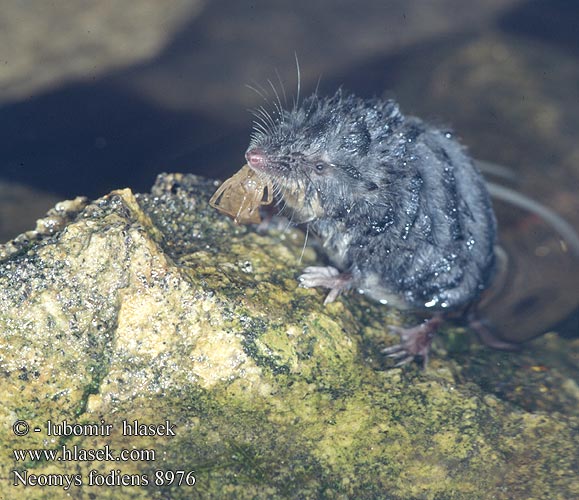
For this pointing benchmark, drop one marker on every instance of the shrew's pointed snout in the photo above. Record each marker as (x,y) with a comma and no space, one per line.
(256,158)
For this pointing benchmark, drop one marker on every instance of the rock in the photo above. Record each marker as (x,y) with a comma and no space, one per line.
(254,44)
(154,308)
(48,45)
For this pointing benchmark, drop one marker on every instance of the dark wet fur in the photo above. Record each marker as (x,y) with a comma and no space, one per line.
(397,203)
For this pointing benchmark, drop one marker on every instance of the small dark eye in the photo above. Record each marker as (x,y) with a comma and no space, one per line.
(320,167)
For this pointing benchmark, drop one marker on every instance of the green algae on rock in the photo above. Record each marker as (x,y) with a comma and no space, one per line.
(155,308)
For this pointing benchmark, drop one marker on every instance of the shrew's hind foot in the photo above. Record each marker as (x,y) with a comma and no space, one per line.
(326,277)
(414,342)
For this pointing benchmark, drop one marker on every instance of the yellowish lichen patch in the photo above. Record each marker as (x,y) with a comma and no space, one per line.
(156,309)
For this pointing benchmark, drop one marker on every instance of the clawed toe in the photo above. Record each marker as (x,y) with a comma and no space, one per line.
(318,276)
(414,342)
(326,277)
(407,360)
(392,350)
(398,353)
(395,350)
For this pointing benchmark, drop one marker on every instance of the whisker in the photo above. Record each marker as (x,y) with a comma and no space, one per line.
(260,93)
(305,244)
(263,89)
(277,103)
(264,119)
(289,224)
(261,124)
(259,127)
(267,116)
(282,87)
(297,100)
(318,85)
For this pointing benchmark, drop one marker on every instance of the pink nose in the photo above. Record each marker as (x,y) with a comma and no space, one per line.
(256,158)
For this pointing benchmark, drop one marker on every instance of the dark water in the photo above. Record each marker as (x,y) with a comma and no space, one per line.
(507,84)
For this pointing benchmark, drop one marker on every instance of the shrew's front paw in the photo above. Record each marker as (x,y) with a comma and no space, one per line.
(326,277)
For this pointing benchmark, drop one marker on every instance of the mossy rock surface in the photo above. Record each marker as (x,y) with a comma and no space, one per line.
(156,308)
